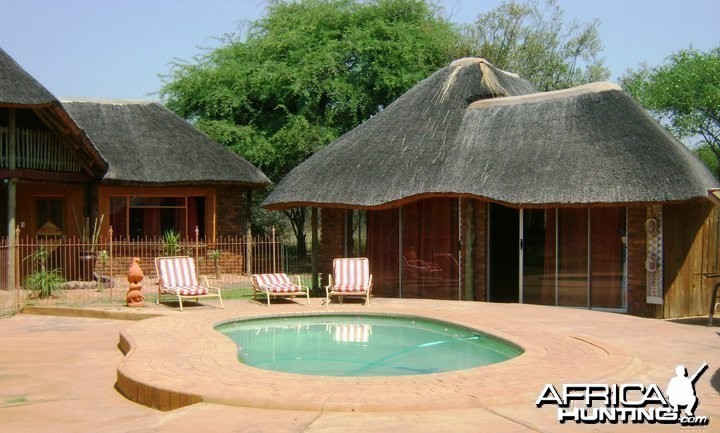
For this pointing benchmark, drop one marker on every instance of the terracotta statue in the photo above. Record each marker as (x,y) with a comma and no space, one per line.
(135,275)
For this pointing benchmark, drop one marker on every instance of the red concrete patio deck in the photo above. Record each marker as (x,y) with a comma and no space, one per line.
(58,373)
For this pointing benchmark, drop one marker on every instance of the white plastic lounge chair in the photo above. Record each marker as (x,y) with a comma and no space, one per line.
(176,276)
(278,285)
(350,277)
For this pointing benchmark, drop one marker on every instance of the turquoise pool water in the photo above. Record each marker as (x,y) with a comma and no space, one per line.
(363,345)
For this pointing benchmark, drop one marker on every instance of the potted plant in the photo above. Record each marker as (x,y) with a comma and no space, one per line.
(103,256)
(43,283)
(89,235)
(215,256)
(171,243)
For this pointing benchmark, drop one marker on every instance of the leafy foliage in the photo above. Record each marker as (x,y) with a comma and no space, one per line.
(306,73)
(43,283)
(533,40)
(684,94)
(171,243)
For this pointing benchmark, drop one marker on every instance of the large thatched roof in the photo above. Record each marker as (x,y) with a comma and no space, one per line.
(591,144)
(396,153)
(17,87)
(146,143)
(585,145)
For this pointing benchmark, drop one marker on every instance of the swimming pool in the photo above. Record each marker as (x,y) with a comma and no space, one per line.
(363,345)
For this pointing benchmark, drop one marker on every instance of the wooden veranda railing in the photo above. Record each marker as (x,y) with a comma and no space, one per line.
(37,150)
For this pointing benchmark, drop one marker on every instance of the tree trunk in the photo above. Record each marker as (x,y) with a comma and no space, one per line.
(297,220)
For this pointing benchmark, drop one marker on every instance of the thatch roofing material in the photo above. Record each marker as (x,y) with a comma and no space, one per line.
(586,145)
(449,135)
(396,153)
(146,143)
(17,87)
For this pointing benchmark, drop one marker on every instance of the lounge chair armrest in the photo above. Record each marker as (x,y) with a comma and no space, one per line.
(330,284)
(299,284)
(206,283)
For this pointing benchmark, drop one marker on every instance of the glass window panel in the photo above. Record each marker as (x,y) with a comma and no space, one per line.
(572,283)
(173,201)
(359,233)
(50,211)
(157,201)
(430,262)
(196,215)
(118,217)
(607,252)
(152,216)
(504,253)
(539,256)
(383,251)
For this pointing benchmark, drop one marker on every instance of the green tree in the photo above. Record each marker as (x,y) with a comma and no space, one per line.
(533,40)
(684,94)
(304,74)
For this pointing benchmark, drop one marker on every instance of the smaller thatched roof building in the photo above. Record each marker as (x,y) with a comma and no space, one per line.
(145,143)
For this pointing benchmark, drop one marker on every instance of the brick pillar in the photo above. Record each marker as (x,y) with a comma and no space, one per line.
(231,211)
(332,236)
(636,255)
(480,271)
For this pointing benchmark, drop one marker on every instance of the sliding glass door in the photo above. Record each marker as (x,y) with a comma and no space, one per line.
(572,257)
(538,256)
(607,257)
(414,250)
(562,256)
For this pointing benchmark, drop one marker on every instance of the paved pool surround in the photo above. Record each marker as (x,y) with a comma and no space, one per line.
(178,360)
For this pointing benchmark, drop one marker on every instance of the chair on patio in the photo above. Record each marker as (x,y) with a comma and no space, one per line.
(278,285)
(176,277)
(350,277)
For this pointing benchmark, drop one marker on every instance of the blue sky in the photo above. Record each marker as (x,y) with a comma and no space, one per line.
(117,48)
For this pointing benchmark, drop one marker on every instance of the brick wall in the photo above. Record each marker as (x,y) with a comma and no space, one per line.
(332,233)
(480,265)
(231,212)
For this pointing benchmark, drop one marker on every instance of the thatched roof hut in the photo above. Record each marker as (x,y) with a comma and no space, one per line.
(145,143)
(481,132)
(397,153)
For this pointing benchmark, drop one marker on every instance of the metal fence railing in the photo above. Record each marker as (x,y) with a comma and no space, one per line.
(96,272)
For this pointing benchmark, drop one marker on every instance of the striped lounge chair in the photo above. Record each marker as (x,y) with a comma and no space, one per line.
(352,333)
(350,277)
(278,285)
(176,277)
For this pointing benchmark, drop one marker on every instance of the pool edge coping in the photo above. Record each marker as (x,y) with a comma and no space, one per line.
(145,373)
